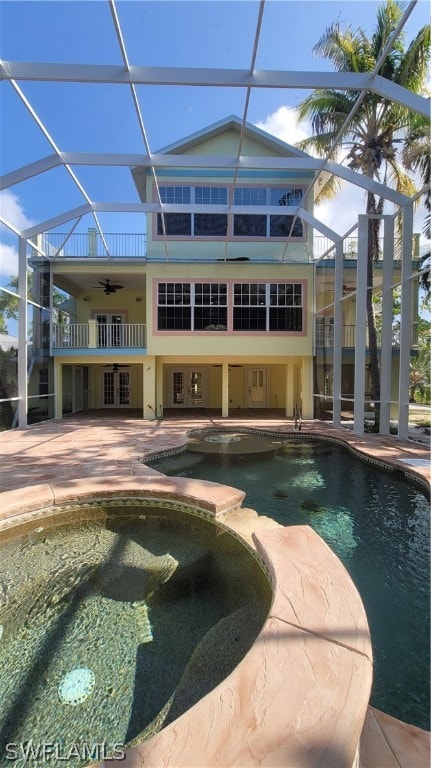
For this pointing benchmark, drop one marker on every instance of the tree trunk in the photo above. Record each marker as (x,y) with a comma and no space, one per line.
(373,206)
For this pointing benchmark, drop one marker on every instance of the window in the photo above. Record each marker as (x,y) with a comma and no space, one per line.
(192,307)
(249,196)
(285,310)
(175,224)
(174,307)
(210,225)
(280,226)
(210,307)
(267,307)
(210,195)
(177,195)
(260,225)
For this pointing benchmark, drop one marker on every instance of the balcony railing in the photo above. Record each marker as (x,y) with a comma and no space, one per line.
(325,336)
(89,245)
(93,335)
(350,247)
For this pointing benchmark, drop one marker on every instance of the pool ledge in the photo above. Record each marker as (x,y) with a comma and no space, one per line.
(299,697)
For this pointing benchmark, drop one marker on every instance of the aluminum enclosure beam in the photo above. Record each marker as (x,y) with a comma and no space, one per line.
(192,76)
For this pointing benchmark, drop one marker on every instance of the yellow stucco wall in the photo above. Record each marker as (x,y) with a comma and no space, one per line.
(221,343)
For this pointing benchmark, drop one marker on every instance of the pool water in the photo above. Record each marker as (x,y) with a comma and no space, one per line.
(377,523)
(108,623)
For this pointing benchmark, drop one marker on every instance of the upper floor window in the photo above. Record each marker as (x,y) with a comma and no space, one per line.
(257,225)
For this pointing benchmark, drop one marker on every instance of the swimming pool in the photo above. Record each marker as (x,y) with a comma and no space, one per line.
(376,521)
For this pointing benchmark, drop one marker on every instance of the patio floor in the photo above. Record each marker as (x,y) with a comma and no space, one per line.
(107,443)
(85,448)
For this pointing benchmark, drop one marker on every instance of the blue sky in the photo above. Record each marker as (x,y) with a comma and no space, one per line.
(102,118)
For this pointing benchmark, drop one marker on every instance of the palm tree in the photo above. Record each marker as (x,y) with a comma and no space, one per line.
(417,158)
(372,135)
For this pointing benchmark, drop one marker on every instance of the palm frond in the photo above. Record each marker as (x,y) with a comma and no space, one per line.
(413,66)
(327,188)
(388,16)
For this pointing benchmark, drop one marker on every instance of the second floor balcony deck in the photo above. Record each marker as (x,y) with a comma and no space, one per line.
(93,335)
(90,245)
(325,336)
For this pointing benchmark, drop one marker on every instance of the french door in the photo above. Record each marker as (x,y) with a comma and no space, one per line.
(188,388)
(116,389)
(109,331)
(257,388)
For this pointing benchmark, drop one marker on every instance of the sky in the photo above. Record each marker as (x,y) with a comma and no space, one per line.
(94,117)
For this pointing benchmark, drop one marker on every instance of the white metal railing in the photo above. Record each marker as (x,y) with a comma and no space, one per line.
(325,336)
(124,335)
(82,245)
(73,335)
(93,335)
(350,247)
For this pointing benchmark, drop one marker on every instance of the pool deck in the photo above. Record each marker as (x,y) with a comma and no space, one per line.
(96,452)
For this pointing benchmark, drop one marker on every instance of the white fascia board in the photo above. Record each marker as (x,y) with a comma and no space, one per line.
(45,226)
(28,171)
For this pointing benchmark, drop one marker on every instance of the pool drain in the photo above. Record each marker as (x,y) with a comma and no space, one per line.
(76,686)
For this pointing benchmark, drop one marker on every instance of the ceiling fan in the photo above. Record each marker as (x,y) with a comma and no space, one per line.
(109,287)
(115,367)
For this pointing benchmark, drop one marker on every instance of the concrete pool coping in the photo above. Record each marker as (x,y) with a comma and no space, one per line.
(53,454)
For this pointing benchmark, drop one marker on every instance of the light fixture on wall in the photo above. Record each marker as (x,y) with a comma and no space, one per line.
(139,298)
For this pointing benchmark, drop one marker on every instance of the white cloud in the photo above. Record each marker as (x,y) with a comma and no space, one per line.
(283,123)
(8,260)
(12,210)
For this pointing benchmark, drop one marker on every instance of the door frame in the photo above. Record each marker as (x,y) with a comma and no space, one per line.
(116,375)
(250,402)
(187,371)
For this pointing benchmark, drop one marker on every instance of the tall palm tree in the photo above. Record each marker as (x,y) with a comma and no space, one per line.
(417,158)
(375,132)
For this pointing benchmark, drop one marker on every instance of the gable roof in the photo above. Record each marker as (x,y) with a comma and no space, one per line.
(229,124)
(233,123)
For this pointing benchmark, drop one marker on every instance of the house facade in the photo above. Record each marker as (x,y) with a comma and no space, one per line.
(218,312)
(222,305)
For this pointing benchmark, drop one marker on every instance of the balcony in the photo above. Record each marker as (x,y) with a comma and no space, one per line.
(90,245)
(323,246)
(94,335)
(325,336)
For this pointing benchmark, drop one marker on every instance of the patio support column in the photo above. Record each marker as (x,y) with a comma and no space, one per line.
(290,381)
(22,333)
(58,390)
(225,390)
(387,314)
(405,323)
(338,336)
(159,388)
(149,393)
(307,387)
(361,327)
